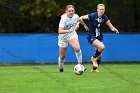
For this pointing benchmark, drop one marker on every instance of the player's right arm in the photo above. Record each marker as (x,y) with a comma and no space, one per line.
(84,17)
(61,30)
(82,22)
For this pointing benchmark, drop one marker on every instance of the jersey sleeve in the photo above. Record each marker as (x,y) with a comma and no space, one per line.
(62,22)
(106,18)
(90,16)
(77,17)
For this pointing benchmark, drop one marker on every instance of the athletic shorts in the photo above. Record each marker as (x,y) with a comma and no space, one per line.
(91,39)
(63,39)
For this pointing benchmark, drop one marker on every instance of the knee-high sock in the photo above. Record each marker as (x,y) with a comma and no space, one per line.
(60,63)
(79,56)
(99,61)
(97,53)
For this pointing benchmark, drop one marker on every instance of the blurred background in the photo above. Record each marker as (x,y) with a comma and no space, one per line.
(29,30)
(42,16)
(29,35)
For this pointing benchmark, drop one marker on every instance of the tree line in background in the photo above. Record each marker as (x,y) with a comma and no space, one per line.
(42,16)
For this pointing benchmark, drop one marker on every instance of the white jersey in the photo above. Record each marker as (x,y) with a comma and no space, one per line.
(67,23)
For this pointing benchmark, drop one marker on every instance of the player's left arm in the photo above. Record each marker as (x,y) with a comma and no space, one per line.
(111,26)
(77,25)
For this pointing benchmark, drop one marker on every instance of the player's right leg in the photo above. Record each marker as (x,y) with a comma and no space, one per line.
(63,44)
(61,58)
(95,58)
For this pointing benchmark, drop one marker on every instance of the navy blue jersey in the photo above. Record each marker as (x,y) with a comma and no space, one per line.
(96,24)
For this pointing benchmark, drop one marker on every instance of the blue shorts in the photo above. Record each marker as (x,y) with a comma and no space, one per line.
(92,38)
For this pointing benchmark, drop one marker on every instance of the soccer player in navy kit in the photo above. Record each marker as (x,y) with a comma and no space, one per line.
(95,37)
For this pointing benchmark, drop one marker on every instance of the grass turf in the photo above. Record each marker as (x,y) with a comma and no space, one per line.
(112,78)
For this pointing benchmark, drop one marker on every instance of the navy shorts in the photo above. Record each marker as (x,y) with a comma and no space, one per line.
(92,38)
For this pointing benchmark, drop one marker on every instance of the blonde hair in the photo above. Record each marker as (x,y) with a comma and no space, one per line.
(69,6)
(100,5)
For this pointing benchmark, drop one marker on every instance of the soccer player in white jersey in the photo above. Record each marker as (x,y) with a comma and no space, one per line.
(68,25)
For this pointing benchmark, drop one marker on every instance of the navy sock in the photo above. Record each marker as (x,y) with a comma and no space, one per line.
(98,61)
(97,53)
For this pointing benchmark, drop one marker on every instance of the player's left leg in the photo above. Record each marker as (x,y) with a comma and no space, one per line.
(75,44)
(99,59)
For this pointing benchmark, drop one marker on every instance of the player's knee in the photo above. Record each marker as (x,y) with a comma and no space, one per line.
(77,49)
(102,47)
(62,57)
(99,58)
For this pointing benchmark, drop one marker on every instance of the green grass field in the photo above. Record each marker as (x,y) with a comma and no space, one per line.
(112,78)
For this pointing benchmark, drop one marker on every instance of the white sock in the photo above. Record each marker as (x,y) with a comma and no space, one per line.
(60,63)
(79,56)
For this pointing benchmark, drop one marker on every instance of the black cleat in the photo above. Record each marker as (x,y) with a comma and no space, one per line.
(85,69)
(61,70)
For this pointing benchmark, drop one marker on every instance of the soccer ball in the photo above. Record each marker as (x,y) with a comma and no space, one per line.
(79,69)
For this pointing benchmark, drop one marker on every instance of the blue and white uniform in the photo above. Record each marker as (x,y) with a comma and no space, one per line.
(95,27)
(67,23)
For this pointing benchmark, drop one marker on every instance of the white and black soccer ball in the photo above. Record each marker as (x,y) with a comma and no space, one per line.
(79,69)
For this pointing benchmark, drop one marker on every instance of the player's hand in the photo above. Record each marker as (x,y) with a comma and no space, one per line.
(76,27)
(86,28)
(115,30)
(73,29)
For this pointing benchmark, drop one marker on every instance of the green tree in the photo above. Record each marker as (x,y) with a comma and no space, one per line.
(42,16)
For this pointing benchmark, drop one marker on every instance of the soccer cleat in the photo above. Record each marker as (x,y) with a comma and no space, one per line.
(94,61)
(94,70)
(85,69)
(61,70)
